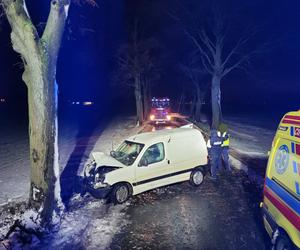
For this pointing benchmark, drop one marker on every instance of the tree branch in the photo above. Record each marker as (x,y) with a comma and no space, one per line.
(24,35)
(53,32)
(207,41)
(238,63)
(205,55)
(242,41)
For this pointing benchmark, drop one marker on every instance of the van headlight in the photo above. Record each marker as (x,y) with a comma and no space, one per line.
(99,178)
(99,181)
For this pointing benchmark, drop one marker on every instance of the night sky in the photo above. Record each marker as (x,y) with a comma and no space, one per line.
(87,61)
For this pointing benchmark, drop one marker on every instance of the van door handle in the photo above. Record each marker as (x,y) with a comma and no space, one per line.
(168,161)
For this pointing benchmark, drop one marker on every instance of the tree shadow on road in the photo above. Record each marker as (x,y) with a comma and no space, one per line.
(86,138)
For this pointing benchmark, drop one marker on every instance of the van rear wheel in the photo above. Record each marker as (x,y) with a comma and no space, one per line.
(197,177)
(120,193)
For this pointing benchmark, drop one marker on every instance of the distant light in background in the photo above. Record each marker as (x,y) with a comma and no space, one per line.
(87,103)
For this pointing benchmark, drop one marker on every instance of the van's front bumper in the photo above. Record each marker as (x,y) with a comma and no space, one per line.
(100,193)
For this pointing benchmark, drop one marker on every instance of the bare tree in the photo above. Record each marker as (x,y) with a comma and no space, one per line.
(39,55)
(137,69)
(192,68)
(213,35)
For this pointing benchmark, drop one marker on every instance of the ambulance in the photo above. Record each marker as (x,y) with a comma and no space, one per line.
(281,202)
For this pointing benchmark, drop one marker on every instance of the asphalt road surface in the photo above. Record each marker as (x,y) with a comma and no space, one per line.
(217,215)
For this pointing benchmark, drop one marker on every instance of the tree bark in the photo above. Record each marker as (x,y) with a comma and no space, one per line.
(138,99)
(216,101)
(198,105)
(42,104)
(145,100)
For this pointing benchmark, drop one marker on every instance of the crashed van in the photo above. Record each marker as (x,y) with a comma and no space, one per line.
(281,204)
(146,161)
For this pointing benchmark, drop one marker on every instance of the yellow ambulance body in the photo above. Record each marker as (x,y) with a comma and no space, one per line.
(281,204)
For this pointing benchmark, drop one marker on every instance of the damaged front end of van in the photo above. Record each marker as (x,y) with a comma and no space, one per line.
(94,174)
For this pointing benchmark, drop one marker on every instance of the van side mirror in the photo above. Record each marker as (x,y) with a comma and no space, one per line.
(143,162)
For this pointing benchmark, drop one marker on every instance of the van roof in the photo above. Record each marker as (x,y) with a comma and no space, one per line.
(163,135)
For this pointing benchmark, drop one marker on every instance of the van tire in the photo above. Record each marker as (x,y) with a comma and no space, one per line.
(283,242)
(120,193)
(197,177)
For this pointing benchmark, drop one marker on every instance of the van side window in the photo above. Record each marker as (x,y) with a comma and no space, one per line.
(155,153)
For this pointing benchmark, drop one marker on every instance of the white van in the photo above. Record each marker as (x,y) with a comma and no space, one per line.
(147,161)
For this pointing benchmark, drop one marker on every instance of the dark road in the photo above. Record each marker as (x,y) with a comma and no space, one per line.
(217,215)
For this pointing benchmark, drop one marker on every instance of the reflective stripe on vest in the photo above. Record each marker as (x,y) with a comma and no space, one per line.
(225,142)
(208,144)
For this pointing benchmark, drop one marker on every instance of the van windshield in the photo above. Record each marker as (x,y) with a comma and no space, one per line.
(127,152)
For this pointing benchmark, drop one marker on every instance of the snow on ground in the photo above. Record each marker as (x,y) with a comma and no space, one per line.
(88,226)
(84,220)
(250,138)
(247,135)
(14,166)
(14,152)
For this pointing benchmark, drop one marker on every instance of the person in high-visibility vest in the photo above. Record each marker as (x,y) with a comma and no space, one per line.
(225,145)
(215,152)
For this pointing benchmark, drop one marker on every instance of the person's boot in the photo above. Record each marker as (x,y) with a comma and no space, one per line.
(213,178)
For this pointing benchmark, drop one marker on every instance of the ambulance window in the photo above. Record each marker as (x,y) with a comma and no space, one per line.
(155,153)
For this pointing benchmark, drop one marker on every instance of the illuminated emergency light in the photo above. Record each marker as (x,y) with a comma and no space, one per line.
(87,103)
(152,117)
(169,117)
(2,100)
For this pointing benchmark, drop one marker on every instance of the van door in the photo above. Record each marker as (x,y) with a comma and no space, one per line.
(154,168)
(285,165)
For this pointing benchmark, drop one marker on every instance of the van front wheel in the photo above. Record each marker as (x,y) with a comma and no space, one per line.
(197,177)
(120,193)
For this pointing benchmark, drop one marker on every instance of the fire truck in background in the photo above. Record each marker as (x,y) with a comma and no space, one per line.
(160,110)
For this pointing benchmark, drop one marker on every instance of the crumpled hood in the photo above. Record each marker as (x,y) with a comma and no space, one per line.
(103,159)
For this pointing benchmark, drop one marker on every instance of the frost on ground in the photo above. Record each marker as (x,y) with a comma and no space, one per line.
(93,222)
(249,138)
(14,152)
(14,167)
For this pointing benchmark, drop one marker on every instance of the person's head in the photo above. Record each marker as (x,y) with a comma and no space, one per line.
(215,133)
(223,128)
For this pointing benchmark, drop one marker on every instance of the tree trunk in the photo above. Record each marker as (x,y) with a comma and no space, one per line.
(192,106)
(138,100)
(198,105)
(42,104)
(216,101)
(40,56)
(145,99)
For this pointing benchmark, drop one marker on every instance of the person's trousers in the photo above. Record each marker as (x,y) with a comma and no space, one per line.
(214,164)
(225,157)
